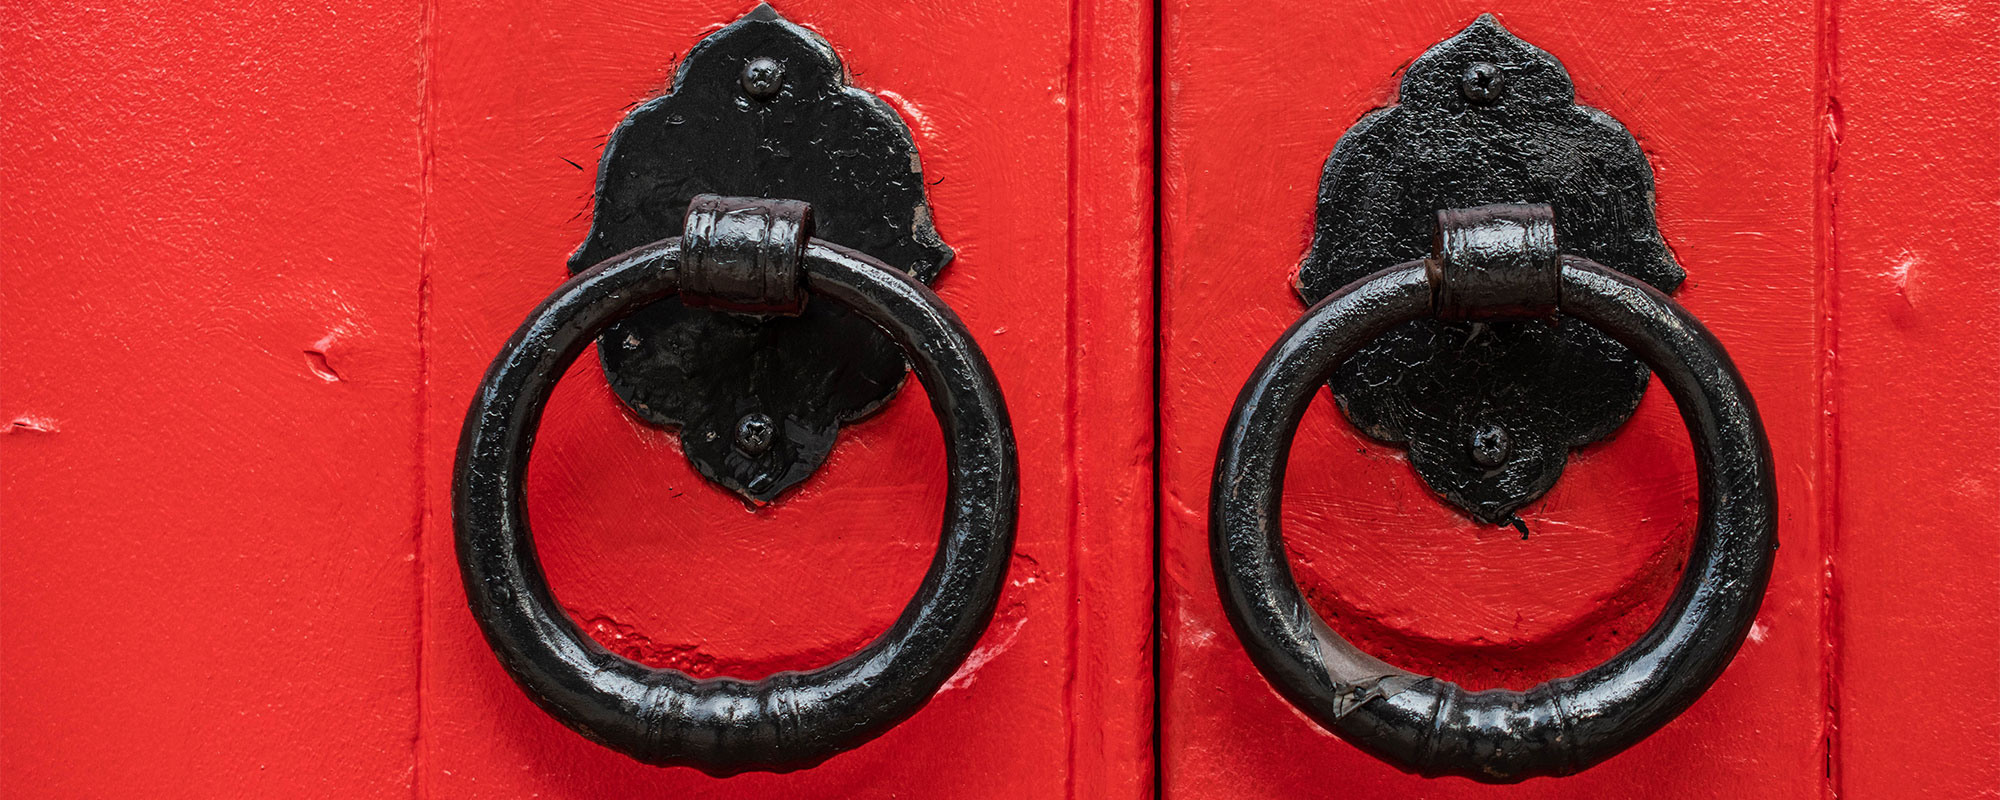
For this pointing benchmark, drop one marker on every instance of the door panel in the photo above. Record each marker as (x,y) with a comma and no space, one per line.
(1914,400)
(1030,121)
(208,485)
(1722,97)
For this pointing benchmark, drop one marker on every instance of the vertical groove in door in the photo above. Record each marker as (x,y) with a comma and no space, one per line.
(425,527)
(1826,292)
(1073,607)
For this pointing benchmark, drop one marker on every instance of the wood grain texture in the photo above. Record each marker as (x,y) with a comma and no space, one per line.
(1721,96)
(208,502)
(1033,137)
(1912,123)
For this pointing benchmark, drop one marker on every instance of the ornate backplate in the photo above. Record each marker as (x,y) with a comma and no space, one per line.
(761,108)
(1488,411)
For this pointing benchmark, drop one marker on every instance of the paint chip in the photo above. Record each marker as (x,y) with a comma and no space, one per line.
(317,361)
(29,424)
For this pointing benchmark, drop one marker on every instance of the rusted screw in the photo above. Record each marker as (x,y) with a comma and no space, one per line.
(754,434)
(1491,445)
(1481,82)
(763,77)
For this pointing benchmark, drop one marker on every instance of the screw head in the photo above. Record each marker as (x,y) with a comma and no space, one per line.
(1491,446)
(1481,83)
(754,434)
(763,77)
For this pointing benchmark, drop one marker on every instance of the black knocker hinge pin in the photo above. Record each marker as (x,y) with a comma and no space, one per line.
(742,254)
(1495,261)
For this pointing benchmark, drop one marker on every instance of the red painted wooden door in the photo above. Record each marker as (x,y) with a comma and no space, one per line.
(1818,166)
(255,256)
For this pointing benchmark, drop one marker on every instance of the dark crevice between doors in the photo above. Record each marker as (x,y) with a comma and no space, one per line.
(1158,637)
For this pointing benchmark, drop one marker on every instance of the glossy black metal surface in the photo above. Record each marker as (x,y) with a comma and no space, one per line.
(742,254)
(1486,118)
(1496,262)
(761,108)
(1430,726)
(787,720)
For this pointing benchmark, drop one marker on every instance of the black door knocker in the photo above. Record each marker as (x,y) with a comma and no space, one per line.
(1538,218)
(709,316)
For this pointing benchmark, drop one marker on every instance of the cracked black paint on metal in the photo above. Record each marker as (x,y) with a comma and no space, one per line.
(1433,727)
(724,725)
(725,130)
(1486,118)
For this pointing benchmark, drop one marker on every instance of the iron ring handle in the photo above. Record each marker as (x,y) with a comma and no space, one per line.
(1431,726)
(788,720)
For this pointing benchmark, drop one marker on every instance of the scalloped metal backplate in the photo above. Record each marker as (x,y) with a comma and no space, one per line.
(800,134)
(1488,411)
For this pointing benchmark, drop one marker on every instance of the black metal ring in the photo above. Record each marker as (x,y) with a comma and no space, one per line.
(788,720)
(1431,726)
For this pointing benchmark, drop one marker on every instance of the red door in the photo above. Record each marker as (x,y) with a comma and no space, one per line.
(1790,144)
(287,242)
(257,257)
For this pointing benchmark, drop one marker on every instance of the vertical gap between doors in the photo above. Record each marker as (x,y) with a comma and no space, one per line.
(1158,42)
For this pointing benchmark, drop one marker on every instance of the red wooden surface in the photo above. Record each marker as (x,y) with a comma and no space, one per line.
(1722,98)
(208,490)
(1914,398)
(253,259)
(1033,122)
